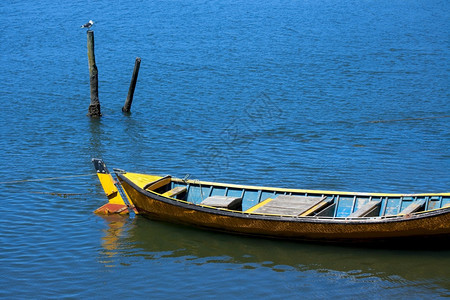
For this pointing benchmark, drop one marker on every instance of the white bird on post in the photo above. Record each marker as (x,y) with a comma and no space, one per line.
(88,24)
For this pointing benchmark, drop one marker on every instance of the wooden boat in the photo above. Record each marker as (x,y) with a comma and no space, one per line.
(279,212)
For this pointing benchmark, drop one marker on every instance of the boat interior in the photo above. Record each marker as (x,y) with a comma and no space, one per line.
(289,202)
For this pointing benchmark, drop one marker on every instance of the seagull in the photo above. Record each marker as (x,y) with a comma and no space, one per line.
(88,24)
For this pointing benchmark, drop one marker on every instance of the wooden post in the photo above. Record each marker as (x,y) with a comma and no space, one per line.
(94,107)
(127,106)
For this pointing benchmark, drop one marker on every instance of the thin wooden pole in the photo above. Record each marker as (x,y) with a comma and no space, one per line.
(94,107)
(127,106)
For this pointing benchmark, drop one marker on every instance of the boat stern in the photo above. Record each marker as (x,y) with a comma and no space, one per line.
(116,203)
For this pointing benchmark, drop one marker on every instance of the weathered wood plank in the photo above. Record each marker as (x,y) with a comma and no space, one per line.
(365,209)
(289,205)
(413,207)
(175,191)
(223,202)
(260,204)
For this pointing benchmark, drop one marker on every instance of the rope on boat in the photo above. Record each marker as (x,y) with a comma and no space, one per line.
(48,178)
(60,194)
(196,181)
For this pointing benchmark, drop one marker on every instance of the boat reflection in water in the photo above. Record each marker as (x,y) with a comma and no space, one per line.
(113,236)
(127,239)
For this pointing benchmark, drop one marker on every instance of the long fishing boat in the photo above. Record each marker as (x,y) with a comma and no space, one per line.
(282,213)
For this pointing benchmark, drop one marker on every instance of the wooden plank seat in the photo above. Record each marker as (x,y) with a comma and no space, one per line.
(234,203)
(365,210)
(288,205)
(175,191)
(413,207)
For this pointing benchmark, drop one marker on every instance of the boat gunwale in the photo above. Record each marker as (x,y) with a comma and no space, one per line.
(288,218)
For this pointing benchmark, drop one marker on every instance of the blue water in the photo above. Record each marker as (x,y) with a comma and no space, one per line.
(347,95)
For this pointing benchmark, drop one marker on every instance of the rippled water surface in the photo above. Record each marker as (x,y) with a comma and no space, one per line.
(347,95)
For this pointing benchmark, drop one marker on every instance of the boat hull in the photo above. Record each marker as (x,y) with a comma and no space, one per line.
(434,225)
